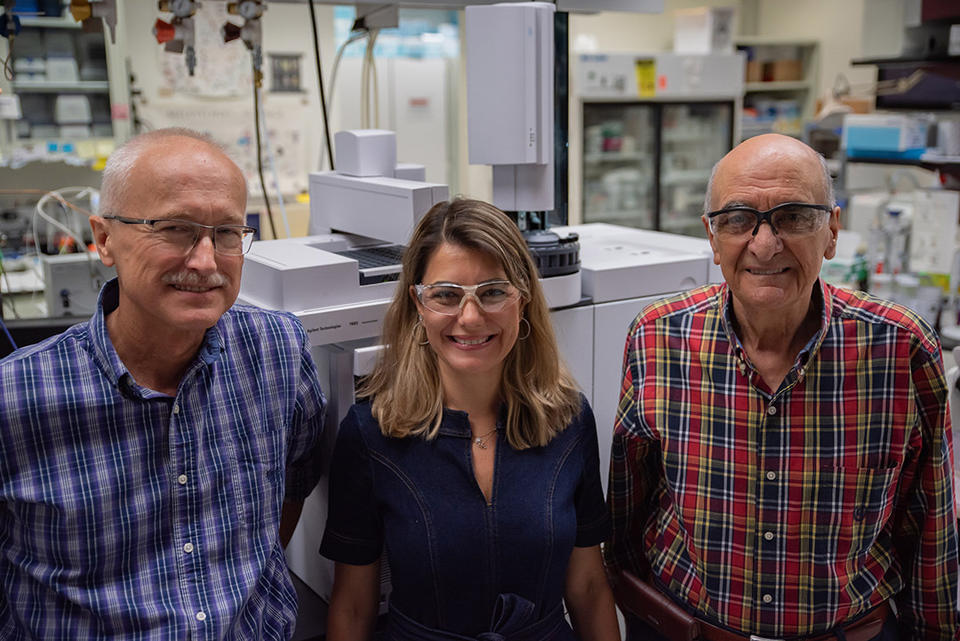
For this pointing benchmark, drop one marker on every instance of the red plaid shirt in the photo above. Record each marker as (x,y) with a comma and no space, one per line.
(784,513)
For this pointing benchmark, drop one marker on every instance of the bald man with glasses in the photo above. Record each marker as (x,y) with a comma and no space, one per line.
(781,465)
(155,458)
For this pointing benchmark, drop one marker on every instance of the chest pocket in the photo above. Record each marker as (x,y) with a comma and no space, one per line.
(258,482)
(852,505)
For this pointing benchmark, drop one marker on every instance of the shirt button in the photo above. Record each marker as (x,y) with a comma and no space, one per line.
(188,548)
(768,536)
(201,616)
(176,408)
(767,598)
(771,476)
(772,410)
(182,479)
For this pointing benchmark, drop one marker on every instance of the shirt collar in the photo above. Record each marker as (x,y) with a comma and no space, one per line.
(821,293)
(457,423)
(109,361)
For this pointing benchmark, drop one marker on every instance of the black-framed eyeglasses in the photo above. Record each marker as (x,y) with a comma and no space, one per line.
(449,298)
(786,219)
(228,240)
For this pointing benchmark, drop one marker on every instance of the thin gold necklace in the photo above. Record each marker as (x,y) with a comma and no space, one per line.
(481,441)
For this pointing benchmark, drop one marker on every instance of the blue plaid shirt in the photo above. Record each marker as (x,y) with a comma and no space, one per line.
(126,513)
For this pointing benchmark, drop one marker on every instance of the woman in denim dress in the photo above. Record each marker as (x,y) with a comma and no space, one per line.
(472,460)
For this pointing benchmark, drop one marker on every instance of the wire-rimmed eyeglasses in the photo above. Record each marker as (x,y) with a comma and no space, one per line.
(786,219)
(449,298)
(228,240)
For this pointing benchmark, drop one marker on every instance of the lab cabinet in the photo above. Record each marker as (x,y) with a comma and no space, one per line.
(780,86)
(651,127)
(72,86)
(647,164)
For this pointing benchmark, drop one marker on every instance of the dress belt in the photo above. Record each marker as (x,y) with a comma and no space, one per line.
(863,628)
(512,620)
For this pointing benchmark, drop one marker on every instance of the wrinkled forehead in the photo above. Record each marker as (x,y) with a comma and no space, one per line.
(175,179)
(765,177)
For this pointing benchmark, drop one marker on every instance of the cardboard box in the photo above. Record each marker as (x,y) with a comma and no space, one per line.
(704,30)
(857,105)
(754,71)
(783,71)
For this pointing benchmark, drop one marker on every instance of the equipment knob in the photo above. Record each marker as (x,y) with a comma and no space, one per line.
(164,31)
(230,31)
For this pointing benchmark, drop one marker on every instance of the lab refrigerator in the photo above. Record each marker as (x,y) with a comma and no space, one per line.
(653,127)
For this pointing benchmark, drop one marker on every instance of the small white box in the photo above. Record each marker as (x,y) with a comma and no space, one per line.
(62,70)
(72,283)
(72,110)
(366,152)
(30,65)
(44,131)
(75,131)
(704,30)
(410,171)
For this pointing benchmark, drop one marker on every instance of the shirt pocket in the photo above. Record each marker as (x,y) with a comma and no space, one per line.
(853,505)
(258,479)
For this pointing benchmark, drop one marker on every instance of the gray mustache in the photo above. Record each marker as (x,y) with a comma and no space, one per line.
(193,279)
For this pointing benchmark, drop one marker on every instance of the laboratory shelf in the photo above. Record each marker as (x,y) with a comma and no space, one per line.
(679,176)
(615,156)
(47,22)
(48,86)
(772,85)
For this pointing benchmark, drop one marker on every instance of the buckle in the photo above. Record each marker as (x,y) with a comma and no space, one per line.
(754,637)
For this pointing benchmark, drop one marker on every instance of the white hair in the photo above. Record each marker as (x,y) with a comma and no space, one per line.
(116,173)
(825,177)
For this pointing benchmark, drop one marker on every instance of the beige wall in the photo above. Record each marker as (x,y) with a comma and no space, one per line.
(633,32)
(838,25)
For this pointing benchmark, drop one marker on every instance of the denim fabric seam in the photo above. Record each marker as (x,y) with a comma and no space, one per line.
(428,522)
(548,512)
(490,511)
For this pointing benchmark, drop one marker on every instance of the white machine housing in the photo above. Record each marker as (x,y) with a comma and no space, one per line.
(366,152)
(72,283)
(510,100)
(376,207)
(678,75)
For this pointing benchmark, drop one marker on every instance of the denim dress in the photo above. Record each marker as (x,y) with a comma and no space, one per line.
(462,567)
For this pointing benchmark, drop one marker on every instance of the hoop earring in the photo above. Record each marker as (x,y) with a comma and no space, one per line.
(420,324)
(523,319)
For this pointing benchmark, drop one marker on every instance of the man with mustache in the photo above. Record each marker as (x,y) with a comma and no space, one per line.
(155,458)
(782,464)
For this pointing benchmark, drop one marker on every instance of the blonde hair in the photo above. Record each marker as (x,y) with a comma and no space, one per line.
(407,397)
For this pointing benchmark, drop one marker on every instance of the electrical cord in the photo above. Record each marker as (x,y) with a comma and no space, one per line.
(333,74)
(273,169)
(323,99)
(369,69)
(6,277)
(256,123)
(7,67)
(58,195)
(374,81)
(6,333)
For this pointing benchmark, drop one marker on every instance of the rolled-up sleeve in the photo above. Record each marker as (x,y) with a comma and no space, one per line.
(593,520)
(354,531)
(305,446)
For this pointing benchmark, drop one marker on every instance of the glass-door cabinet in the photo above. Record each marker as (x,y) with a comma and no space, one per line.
(646,164)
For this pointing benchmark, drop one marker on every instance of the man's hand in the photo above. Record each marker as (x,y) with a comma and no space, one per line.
(289,517)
